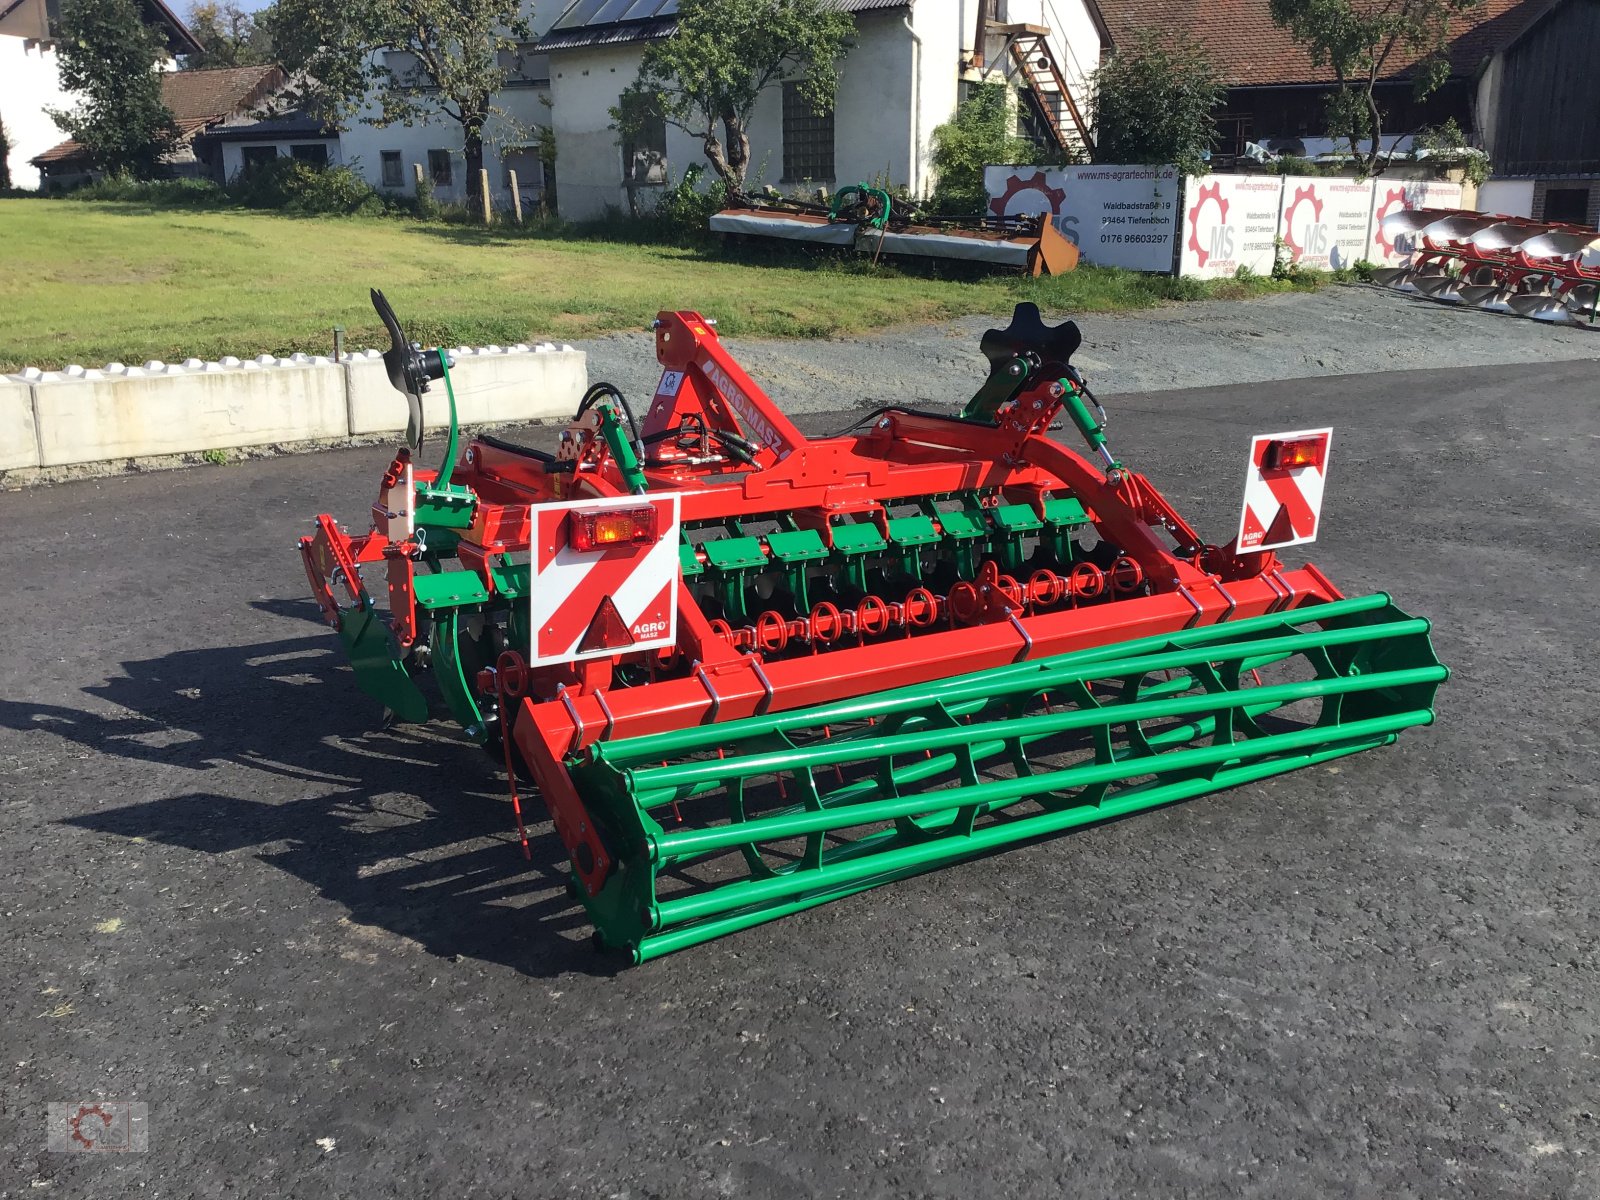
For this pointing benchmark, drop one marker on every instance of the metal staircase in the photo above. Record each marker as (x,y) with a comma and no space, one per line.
(1024,51)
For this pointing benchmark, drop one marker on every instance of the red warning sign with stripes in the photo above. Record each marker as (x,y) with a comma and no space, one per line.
(1283,489)
(604,577)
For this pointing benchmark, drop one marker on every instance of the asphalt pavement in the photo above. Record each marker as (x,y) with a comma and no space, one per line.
(312,948)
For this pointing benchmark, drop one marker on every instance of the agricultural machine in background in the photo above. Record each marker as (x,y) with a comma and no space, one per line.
(868,220)
(750,672)
(1550,272)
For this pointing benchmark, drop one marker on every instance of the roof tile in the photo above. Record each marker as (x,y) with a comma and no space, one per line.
(198,99)
(1253,52)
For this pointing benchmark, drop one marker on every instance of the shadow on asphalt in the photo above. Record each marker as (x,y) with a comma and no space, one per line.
(408,828)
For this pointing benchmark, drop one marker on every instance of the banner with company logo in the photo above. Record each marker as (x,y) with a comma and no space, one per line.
(1395,195)
(1117,216)
(1325,222)
(1229,222)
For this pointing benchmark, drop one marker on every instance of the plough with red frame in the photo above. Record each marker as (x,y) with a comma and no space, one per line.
(1550,272)
(751,671)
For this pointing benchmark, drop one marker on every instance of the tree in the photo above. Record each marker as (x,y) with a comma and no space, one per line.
(408,59)
(980,134)
(1359,39)
(1154,101)
(709,74)
(5,159)
(108,57)
(228,35)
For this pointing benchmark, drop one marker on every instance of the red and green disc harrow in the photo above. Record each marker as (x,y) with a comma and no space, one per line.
(750,672)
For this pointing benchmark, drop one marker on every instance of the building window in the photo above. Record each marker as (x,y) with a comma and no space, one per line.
(524,161)
(524,67)
(258,156)
(391,169)
(807,138)
(406,68)
(315,153)
(439,167)
(1229,138)
(1569,204)
(644,154)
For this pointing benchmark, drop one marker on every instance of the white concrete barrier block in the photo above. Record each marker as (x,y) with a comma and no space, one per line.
(19,446)
(493,387)
(130,414)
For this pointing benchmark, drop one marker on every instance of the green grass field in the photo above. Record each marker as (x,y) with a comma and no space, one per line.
(97,282)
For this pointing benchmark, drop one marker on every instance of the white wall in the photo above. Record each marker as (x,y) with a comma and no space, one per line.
(30,82)
(946,33)
(872,127)
(62,418)
(1508,197)
(362,145)
(584,84)
(872,124)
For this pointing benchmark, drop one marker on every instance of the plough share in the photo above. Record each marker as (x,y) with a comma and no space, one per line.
(1547,271)
(750,672)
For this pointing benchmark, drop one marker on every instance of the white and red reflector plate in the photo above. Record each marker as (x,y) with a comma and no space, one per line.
(618,596)
(1283,489)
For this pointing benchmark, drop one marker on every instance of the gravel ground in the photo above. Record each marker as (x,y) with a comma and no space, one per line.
(1336,331)
(312,948)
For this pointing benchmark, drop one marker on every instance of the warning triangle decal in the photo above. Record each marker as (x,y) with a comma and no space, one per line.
(1281,529)
(608,631)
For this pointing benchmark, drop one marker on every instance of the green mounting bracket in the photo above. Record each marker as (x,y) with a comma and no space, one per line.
(622,450)
(885,203)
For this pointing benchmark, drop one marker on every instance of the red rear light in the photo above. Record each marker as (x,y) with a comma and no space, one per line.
(1288,454)
(595,529)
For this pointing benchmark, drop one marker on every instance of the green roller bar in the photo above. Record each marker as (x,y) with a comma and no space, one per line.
(654,747)
(647,780)
(784,812)
(658,944)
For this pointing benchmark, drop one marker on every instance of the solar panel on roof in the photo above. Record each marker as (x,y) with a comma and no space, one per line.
(641,10)
(580,14)
(611,11)
(605,22)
